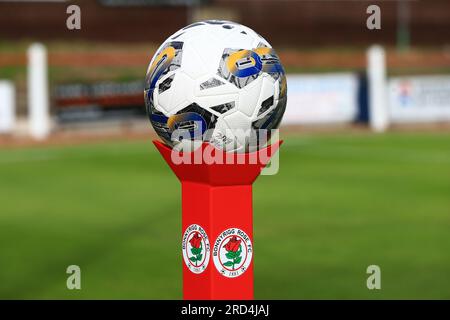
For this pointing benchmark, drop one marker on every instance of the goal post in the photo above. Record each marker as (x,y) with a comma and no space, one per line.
(376,76)
(37,91)
(7,107)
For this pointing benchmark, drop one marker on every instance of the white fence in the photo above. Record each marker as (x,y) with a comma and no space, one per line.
(331,98)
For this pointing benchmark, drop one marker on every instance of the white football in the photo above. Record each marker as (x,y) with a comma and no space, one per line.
(214,81)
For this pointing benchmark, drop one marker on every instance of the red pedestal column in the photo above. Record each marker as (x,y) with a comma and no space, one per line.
(217,221)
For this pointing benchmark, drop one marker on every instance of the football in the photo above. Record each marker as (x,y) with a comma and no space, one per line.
(215,81)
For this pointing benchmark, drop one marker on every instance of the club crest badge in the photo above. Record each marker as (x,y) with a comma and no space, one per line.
(232,252)
(196,249)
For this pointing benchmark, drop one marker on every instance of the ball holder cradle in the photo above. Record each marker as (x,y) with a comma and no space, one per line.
(218,196)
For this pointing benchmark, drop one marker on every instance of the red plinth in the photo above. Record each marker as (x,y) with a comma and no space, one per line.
(218,198)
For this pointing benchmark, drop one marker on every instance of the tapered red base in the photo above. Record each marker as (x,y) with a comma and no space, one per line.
(217,206)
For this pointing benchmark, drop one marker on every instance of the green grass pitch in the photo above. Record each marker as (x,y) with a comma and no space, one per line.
(338,204)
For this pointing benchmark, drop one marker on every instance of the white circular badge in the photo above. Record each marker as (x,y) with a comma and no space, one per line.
(196,249)
(232,252)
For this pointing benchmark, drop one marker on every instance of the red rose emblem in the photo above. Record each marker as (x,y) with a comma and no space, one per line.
(233,244)
(196,240)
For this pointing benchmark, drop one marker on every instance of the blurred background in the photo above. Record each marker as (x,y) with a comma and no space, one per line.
(364,172)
